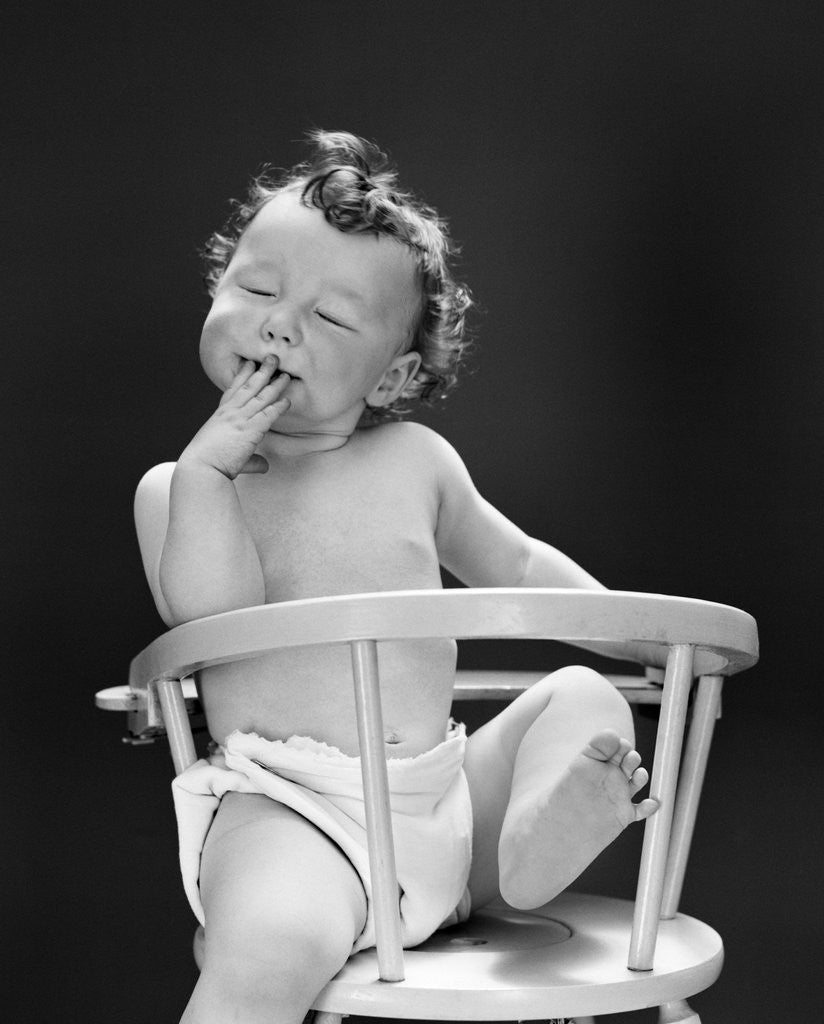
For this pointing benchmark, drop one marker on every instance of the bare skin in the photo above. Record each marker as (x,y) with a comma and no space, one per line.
(279,497)
(551,832)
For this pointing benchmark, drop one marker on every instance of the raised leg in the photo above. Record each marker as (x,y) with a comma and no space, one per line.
(551,779)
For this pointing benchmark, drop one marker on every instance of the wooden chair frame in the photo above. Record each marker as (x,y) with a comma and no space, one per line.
(704,640)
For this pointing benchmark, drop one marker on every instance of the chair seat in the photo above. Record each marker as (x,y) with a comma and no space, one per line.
(565,959)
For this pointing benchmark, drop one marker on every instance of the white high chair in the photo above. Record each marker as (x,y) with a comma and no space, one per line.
(580,955)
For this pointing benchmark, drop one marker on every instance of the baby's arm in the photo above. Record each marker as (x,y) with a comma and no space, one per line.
(483,548)
(208,562)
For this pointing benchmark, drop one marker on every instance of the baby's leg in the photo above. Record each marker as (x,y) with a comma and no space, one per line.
(283,909)
(552,779)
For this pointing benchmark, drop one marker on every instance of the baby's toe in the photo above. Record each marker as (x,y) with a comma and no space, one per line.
(645,808)
(606,745)
(631,762)
(638,779)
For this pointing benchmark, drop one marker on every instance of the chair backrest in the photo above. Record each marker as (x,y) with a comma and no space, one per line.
(704,639)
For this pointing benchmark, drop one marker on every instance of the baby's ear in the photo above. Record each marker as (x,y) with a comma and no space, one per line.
(401,370)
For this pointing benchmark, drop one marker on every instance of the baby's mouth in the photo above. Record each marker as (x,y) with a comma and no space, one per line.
(277,372)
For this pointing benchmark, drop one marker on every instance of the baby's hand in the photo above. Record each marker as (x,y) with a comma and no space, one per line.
(247,410)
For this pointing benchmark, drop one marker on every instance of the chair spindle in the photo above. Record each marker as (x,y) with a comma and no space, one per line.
(176,723)
(705,711)
(649,895)
(378,815)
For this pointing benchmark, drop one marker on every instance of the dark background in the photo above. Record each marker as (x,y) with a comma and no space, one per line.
(638,189)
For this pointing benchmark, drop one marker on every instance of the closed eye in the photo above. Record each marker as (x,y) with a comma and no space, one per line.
(256,291)
(332,320)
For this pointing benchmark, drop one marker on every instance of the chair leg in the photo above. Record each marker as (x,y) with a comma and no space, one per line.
(677,1012)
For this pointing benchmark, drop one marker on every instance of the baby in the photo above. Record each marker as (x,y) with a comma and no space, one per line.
(333,309)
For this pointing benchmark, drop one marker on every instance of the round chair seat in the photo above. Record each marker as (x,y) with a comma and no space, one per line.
(566,959)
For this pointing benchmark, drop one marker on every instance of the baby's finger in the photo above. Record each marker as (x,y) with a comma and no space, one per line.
(260,379)
(277,408)
(269,413)
(267,369)
(244,373)
(274,389)
(249,380)
(256,464)
(268,366)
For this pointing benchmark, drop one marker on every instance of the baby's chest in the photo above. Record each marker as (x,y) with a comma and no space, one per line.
(322,536)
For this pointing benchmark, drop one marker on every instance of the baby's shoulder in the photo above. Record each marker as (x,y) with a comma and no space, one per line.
(151,506)
(151,519)
(419,454)
(154,486)
(412,441)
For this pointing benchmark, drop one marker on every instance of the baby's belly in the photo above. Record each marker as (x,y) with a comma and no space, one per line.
(308,692)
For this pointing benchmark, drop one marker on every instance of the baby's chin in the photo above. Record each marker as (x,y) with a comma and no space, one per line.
(293,424)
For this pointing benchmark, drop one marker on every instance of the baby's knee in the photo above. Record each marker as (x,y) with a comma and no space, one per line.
(589,690)
(283,956)
(578,675)
(579,680)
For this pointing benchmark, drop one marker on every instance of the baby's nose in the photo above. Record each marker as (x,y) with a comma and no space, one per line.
(281,325)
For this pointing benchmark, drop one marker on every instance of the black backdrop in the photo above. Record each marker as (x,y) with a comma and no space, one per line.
(638,190)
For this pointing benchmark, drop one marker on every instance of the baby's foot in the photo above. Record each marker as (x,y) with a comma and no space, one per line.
(550,836)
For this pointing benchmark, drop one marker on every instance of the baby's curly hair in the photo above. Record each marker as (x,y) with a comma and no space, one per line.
(355,186)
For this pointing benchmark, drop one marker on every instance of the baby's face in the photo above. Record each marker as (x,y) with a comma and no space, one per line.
(336,309)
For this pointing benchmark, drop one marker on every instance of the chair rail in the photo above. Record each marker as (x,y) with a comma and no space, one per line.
(725,638)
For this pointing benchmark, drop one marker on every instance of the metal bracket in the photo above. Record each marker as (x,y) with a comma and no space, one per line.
(145,721)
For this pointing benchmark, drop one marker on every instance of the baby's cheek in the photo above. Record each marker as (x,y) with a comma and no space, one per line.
(217,321)
(219,353)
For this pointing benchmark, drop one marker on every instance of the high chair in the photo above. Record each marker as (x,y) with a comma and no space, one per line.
(580,955)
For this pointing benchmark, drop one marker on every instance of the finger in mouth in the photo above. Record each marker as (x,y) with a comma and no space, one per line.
(276,372)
